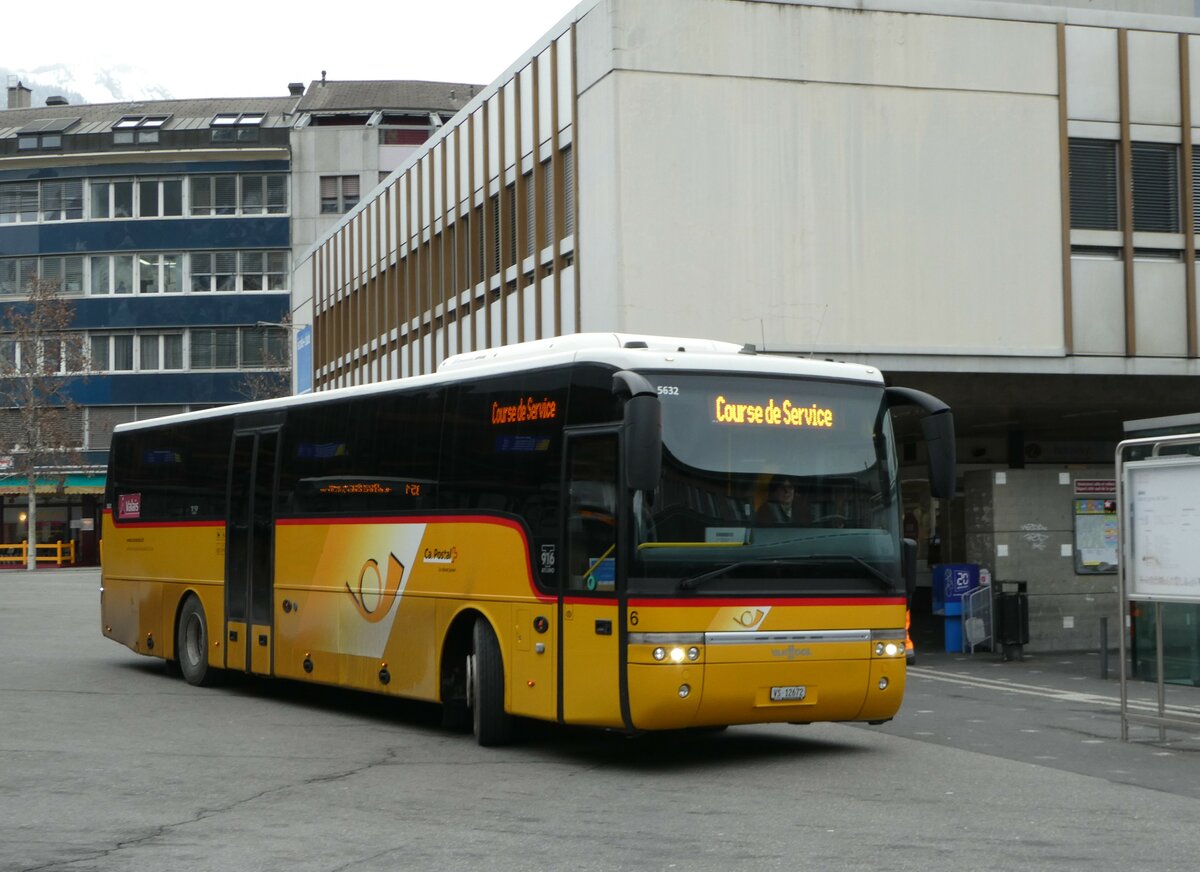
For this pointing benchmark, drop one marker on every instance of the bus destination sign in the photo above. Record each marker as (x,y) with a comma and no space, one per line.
(773,414)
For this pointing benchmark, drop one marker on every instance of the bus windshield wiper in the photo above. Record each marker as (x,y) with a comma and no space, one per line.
(695,580)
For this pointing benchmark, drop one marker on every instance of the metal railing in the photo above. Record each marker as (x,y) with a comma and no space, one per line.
(977,619)
(58,553)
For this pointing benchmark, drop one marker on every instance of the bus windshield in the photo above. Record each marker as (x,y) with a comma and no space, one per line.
(771,486)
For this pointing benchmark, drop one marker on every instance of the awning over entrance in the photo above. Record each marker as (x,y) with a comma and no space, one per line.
(72,483)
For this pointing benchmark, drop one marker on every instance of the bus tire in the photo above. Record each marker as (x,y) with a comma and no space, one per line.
(492,725)
(191,644)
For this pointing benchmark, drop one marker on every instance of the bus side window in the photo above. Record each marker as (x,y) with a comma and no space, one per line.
(591,513)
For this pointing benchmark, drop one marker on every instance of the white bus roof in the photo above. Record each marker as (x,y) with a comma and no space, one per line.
(638,352)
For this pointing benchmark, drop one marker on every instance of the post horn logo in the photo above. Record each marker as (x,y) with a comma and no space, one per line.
(751,618)
(373,595)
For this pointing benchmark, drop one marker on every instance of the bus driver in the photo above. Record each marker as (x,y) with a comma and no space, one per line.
(779,507)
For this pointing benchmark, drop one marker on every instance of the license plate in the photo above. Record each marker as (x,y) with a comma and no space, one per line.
(788,694)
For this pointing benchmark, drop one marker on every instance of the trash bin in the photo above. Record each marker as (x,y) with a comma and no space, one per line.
(1010,608)
(951,582)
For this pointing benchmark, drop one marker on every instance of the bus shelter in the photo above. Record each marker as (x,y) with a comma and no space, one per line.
(1158,494)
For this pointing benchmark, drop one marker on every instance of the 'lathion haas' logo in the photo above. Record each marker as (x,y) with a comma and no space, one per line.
(791,652)
(129,506)
(440,555)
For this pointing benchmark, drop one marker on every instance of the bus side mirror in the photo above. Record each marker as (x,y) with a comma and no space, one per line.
(938,429)
(643,442)
(642,445)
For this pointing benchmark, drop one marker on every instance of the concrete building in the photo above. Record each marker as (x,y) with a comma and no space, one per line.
(990,201)
(170,226)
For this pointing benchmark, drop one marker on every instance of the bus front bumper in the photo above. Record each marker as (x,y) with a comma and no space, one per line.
(718,679)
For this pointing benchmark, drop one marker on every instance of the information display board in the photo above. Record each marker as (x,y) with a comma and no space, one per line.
(1096,537)
(1161,529)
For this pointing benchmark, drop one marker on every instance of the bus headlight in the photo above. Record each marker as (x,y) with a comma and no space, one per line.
(669,648)
(887,643)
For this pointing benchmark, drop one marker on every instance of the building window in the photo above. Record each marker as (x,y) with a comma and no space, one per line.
(112,352)
(158,273)
(17,275)
(44,134)
(18,202)
(111,199)
(160,351)
(62,200)
(47,356)
(214,195)
(215,349)
(239,271)
(1155,187)
(338,194)
(100,200)
(264,347)
(154,198)
(264,270)
(236,127)
(401,136)
(214,271)
(1093,173)
(138,129)
(65,273)
(141,352)
(52,356)
(123,274)
(264,194)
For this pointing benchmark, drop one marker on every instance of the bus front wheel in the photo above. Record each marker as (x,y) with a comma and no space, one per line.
(191,644)
(485,685)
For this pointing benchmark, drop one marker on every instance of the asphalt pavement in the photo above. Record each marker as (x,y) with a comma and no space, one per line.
(110,763)
(1054,710)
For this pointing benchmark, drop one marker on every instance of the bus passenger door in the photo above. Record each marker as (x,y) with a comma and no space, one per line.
(590,656)
(249,552)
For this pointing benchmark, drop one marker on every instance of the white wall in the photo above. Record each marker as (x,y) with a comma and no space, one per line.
(917,157)
(1098,306)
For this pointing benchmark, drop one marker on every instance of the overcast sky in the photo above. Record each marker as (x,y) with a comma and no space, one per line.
(250,48)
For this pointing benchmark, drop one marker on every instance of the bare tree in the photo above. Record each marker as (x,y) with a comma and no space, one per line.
(268,350)
(40,358)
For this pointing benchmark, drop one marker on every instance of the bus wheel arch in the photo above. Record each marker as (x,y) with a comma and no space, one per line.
(472,679)
(192,642)
(456,649)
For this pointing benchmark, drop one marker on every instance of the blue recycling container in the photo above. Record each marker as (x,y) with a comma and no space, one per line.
(951,582)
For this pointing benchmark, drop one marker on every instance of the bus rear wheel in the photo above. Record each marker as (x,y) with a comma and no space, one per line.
(191,644)
(485,687)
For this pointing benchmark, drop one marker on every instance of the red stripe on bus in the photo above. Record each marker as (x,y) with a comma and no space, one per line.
(402,519)
(798,600)
(725,602)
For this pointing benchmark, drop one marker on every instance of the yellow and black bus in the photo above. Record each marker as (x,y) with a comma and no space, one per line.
(574,530)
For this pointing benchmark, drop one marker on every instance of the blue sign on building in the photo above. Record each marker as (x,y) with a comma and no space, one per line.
(304,359)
